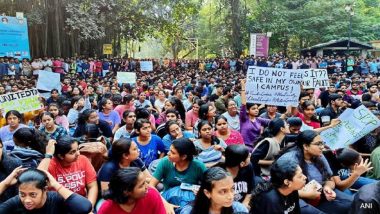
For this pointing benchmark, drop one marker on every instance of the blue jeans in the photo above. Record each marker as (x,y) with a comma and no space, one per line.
(358,183)
(341,204)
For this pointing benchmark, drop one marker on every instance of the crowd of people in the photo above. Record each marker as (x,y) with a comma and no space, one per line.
(184,139)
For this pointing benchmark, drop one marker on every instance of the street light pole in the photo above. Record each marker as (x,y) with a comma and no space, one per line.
(350,10)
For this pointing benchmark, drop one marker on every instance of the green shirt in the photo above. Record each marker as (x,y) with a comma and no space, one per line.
(171,177)
(375,159)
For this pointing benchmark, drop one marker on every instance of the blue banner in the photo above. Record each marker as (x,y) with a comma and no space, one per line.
(14,41)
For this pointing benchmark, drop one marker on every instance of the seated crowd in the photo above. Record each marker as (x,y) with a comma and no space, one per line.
(195,146)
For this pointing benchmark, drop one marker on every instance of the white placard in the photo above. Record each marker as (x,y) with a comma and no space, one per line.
(355,124)
(126,77)
(273,86)
(48,81)
(146,65)
(315,78)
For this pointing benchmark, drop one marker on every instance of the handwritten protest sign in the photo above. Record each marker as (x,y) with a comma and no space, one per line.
(48,81)
(355,124)
(22,101)
(146,65)
(273,86)
(126,77)
(315,78)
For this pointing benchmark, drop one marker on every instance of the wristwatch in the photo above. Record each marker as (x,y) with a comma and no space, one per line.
(48,156)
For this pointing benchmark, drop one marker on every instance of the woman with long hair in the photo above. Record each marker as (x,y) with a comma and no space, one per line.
(178,167)
(210,148)
(13,119)
(127,104)
(310,119)
(109,115)
(174,131)
(34,196)
(308,154)
(78,105)
(49,128)
(64,162)
(205,112)
(215,195)
(151,146)
(130,193)
(267,149)
(281,194)
(129,119)
(123,154)
(237,163)
(59,117)
(251,125)
(172,103)
(91,116)
(348,167)
(159,103)
(192,116)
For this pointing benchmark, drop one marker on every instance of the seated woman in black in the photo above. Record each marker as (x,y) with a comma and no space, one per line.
(91,116)
(281,195)
(238,164)
(34,196)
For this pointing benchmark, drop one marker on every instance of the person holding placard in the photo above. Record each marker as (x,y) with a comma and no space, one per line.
(250,124)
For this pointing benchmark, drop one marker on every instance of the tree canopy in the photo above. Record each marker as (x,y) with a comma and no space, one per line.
(217,27)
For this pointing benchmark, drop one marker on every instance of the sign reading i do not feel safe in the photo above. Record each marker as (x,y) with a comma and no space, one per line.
(273,86)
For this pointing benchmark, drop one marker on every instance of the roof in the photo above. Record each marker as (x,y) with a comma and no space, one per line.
(341,43)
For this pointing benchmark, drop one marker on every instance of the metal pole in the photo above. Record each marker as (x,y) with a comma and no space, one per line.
(197,50)
(349,34)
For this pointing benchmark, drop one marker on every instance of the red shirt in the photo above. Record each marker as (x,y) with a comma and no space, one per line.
(98,66)
(313,124)
(57,66)
(74,177)
(150,203)
(234,138)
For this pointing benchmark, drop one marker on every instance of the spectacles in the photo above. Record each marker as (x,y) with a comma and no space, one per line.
(319,143)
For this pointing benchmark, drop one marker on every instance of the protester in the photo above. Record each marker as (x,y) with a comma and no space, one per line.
(72,170)
(215,195)
(34,196)
(13,119)
(281,195)
(129,193)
